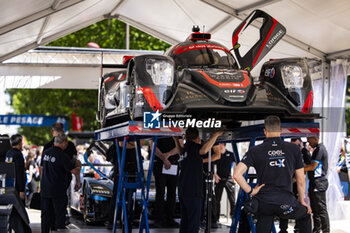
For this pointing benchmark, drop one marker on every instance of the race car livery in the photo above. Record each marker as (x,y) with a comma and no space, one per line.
(202,78)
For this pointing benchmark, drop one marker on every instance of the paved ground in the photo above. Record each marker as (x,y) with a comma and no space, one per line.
(77,225)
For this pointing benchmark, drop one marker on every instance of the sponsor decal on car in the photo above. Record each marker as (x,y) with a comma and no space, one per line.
(270,72)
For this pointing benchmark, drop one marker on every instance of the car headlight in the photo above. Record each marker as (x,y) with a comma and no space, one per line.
(292,76)
(161,71)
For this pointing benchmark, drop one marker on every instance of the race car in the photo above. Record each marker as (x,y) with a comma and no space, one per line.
(202,78)
(93,198)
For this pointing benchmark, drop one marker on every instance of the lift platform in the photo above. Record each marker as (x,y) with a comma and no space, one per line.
(133,131)
(252,134)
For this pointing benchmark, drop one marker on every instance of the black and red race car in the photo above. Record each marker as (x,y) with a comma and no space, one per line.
(203,78)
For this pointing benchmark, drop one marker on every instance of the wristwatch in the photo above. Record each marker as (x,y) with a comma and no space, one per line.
(251,190)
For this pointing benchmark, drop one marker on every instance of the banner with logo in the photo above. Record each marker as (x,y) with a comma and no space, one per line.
(77,122)
(33,120)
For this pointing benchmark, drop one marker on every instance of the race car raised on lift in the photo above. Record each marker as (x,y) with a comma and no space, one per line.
(203,78)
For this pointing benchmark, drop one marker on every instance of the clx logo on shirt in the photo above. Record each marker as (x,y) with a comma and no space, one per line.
(277,163)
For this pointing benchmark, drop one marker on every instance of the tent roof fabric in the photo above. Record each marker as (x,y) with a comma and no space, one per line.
(315,28)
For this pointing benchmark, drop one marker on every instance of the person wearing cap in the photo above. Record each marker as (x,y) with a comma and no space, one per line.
(275,162)
(55,167)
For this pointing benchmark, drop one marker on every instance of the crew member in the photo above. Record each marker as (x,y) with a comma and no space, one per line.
(71,151)
(191,177)
(223,179)
(318,185)
(275,162)
(58,128)
(304,151)
(166,157)
(14,155)
(55,167)
(307,160)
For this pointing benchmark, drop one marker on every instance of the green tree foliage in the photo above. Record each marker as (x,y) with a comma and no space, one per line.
(54,102)
(108,33)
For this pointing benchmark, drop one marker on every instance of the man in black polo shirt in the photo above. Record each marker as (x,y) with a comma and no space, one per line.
(166,156)
(71,151)
(275,162)
(191,178)
(55,167)
(223,179)
(318,185)
(14,155)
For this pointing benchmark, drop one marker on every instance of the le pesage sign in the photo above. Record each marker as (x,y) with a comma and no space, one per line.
(33,120)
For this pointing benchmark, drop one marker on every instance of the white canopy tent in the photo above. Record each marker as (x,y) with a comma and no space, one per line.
(315,29)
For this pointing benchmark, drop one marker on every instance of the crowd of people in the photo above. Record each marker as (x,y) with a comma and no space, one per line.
(181,164)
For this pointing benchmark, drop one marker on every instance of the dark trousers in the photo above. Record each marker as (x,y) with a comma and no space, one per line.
(164,209)
(31,190)
(229,186)
(319,211)
(204,213)
(284,222)
(266,213)
(53,209)
(190,214)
